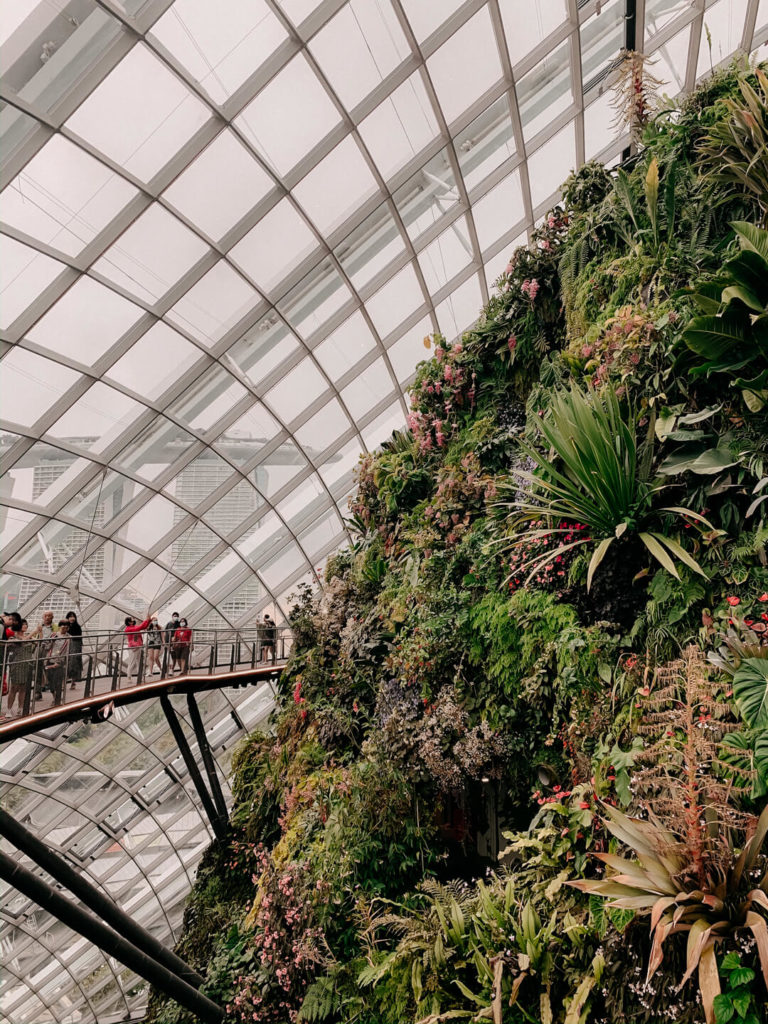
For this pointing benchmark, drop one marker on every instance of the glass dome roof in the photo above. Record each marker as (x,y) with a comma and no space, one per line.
(227,229)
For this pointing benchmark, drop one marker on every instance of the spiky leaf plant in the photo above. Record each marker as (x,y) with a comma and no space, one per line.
(685,872)
(591,476)
(736,149)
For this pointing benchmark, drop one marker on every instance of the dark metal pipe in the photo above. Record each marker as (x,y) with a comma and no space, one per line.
(91,928)
(208,762)
(219,828)
(87,893)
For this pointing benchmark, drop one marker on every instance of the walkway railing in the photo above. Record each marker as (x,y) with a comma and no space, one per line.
(38,675)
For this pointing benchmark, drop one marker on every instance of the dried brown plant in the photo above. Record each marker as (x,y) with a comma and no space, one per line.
(682,781)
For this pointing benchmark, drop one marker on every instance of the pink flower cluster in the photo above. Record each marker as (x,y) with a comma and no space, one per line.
(530,287)
(445,387)
(553,575)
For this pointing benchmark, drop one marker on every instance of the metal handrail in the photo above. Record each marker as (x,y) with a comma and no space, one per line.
(37,676)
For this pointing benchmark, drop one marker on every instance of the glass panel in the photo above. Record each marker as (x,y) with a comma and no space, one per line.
(499,210)
(446,256)
(546,91)
(527,24)
(671,61)
(219,52)
(599,125)
(278,244)
(460,310)
(208,399)
(24,274)
(370,247)
(395,301)
(156,447)
(215,304)
(400,127)
(336,187)
(54,546)
(327,530)
(367,389)
(155,362)
(409,350)
(279,468)
(359,47)
(265,347)
(381,428)
(549,166)
(323,429)
(340,466)
(484,144)
(101,569)
(42,473)
(64,197)
(345,346)
(293,97)
(46,54)
(222,184)
(12,522)
(145,269)
(602,37)
(465,66)
(283,568)
(30,385)
(234,507)
(259,541)
(188,548)
(426,196)
(721,34)
(296,390)
(103,498)
(17,130)
(150,523)
(85,322)
(309,305)
(659,13)
(199,479)
(425,18)
(140,115)
(97,419)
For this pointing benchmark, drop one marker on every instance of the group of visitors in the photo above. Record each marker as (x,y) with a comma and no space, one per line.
(176,637)
(46,658)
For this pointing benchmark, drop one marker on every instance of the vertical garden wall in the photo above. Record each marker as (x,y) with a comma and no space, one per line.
(519,767)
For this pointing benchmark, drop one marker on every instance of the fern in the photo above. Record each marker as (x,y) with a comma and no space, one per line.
(320,1000)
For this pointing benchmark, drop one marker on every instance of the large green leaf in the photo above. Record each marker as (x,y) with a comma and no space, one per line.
(750,688)
(714,337)
(749,276)
(751,237)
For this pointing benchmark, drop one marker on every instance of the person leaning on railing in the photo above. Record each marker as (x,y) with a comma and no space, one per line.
(56,661)
(154,646)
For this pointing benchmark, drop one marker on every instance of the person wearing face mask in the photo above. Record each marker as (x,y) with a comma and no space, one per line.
(56,662)
(22,669)
(154,646)
(171,627)
(180,647)
(46,631)
(75,649)
(134,631)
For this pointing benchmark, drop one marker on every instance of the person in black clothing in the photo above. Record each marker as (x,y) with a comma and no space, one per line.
(171,627)
(75,666)
(268,638)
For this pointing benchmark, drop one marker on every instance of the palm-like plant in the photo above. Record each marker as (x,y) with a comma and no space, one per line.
(658,881)
(595,479)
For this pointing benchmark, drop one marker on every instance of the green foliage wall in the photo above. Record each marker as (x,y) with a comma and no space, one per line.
(489,658)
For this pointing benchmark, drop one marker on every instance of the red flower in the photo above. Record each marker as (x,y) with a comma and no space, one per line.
(733,601)
(763,597)
(584,805)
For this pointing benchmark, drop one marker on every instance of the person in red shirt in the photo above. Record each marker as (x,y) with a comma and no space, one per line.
(134,631)
(180,647)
